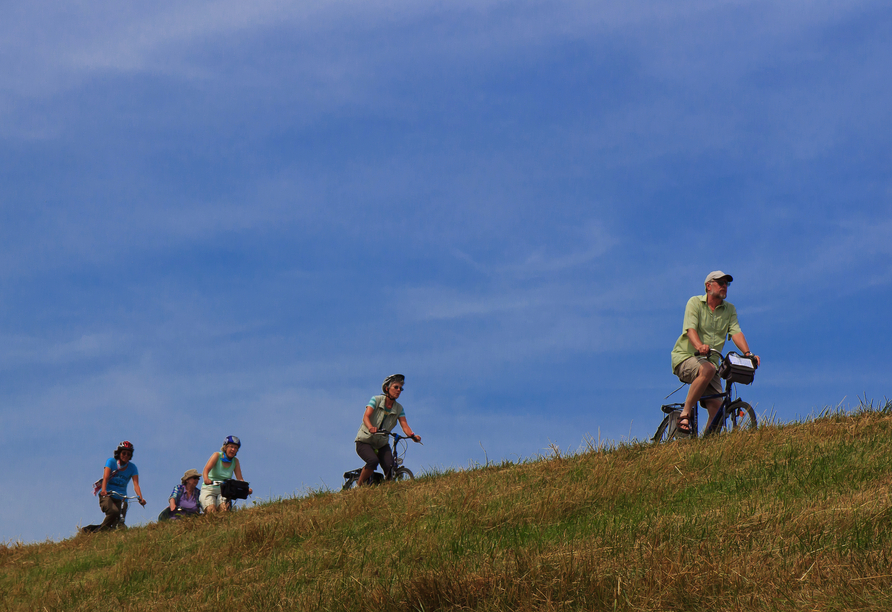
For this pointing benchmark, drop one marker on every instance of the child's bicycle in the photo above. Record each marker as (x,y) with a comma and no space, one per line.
(399,472)
(120,523)
(735,368)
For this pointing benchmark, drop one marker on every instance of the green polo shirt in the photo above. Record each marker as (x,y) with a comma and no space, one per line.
(382,418)
(713,326)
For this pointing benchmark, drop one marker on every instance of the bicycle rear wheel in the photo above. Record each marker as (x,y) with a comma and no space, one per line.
(666,430)
(743,416)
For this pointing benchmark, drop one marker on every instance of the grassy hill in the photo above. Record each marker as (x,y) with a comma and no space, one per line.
(789,517)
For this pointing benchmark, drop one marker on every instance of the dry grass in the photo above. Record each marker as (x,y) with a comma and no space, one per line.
(792,517)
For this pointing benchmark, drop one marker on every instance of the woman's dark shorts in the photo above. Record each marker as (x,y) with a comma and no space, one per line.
(384,456)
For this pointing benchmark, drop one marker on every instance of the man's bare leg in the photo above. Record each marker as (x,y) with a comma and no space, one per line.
(713,406)
(704,376)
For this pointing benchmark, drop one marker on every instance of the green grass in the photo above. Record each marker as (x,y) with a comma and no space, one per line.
(788,517)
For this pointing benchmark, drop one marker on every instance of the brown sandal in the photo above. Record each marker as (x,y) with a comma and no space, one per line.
(686,429)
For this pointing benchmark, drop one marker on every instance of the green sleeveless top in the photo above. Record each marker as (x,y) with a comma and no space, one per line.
(220,471)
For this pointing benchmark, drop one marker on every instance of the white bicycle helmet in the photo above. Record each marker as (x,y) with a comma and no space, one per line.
(390,380)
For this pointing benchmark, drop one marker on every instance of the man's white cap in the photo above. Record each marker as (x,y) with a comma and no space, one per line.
(716,275)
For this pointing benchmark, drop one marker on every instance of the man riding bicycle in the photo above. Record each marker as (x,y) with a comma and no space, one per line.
(708,322)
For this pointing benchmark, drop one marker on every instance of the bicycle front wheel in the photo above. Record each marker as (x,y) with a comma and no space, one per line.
(403,474)
(743,417)
(348,484)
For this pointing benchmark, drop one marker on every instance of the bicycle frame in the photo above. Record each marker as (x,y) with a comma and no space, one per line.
(125,504)
(397,472)
(397,459)
(121,516)
(735,409)
(229,504)
(722,415)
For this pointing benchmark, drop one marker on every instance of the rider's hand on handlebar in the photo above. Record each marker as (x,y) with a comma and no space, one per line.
(703,350)
(417,438)
(142,502)
(373,430)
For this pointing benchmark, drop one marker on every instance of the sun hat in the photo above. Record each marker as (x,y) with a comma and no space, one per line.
(190,474)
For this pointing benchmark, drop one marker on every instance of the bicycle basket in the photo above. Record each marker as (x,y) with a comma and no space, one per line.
(736,368)
(234,489)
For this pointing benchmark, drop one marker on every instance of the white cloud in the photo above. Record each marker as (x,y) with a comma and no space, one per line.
(56,45)
(19,350)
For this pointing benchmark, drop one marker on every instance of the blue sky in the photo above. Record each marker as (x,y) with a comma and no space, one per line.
(236,218)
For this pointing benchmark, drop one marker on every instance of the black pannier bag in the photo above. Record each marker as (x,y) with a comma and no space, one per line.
(736,368)
(234,489)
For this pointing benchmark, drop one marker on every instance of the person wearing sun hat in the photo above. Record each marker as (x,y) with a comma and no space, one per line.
(708,322)
(184,497)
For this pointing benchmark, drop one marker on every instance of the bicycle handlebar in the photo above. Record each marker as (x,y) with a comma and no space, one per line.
(117,495)
(397,437)
(217,483)
(752,358)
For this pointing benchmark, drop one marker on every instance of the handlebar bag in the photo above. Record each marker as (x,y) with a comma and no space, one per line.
(737,369)
(234,489)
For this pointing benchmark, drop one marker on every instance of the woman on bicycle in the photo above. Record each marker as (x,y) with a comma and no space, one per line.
(118,471)
(381,415)
(221,466)
(183,499)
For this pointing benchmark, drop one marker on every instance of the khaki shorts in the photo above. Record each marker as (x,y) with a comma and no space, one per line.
(210,496)
(688,370)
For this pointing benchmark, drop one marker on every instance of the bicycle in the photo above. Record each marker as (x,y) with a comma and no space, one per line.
(119,524)
(399,472)
(741,414)
(239,488)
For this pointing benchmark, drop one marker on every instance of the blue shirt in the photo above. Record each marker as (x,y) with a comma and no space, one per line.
(118,482)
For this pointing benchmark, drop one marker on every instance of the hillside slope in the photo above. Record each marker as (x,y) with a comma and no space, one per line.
(793,517)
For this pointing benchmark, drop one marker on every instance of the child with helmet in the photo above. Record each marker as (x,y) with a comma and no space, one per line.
(221,466)
(118,471)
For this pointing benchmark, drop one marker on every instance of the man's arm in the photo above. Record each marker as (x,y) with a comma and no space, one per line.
(740,340)
(699,347)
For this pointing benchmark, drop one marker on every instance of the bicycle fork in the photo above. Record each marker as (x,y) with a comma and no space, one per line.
(721,417)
